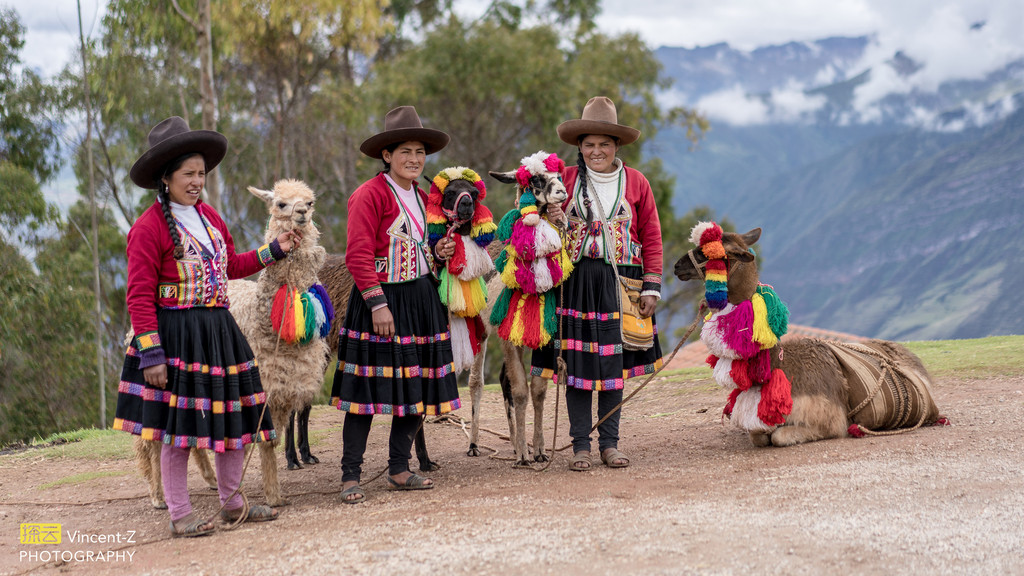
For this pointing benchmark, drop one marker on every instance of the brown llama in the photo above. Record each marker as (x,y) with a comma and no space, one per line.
(802,390)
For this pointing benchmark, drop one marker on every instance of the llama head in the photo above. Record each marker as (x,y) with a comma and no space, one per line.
(729,253)
(539,176)
(455,195)
(291,206)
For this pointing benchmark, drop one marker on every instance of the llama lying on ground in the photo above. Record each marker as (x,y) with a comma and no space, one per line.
(806,389)
(286,315)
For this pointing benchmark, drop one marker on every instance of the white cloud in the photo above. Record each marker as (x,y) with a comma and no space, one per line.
(51,30)
(734,107)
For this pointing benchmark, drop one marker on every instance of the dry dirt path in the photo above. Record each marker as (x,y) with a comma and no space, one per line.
(698,499)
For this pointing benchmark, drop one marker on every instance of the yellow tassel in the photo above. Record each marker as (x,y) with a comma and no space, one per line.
(508,275)
(300,317)
(763,334)
(477,300)
(518,329)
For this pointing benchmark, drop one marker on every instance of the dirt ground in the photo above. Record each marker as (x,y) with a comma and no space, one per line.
(698,499)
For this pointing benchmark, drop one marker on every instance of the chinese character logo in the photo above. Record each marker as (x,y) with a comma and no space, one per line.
(40,533)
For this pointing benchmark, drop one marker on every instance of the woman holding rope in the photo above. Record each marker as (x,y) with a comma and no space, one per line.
(189,377)
(613,221)
(394,350)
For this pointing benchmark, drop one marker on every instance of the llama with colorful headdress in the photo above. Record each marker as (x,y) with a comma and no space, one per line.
(455,211)
(534,260)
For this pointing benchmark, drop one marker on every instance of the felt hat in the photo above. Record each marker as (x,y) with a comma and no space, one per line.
(599,117)
(402,125)
(170,139)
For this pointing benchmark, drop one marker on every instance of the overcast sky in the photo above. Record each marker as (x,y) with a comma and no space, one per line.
(934,31)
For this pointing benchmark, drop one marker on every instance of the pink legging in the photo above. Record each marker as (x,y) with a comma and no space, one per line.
(174,470)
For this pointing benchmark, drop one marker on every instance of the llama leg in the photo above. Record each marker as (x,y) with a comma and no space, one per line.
(813,418)
(271,483)
(476,388)
(289,443)
(538,391)
(426,464)
(202,462)
(303,432)
(506,395)
(760,439)
(147,458)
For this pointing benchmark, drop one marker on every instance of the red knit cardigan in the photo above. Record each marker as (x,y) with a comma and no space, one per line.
(644,227)
(151,263)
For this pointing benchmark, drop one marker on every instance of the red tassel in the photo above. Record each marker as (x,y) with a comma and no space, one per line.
(457,263)
(761,367)
(739,374)
(731,402)
(855,431)
(712,361)
(942,421)
(776,399)
(282,314)
(532,322)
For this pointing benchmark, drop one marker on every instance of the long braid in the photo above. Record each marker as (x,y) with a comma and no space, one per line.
(581,177)
(165,205)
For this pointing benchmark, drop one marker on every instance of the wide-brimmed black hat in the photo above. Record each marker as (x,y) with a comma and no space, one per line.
(402,125)
(170,139)
(599,117)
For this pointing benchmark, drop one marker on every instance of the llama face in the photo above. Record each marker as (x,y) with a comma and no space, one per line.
(290,204)
(547,187)
(460,198)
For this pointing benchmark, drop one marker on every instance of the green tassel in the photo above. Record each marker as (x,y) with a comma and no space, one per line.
(445,287)
(506,224)
(309,312)
(550,312)
(778,313)
(500,309)
(501,261)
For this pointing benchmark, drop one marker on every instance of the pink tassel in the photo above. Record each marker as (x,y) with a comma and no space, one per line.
(855,431)
(761,367)
(776,399)
(737,330)
(524,241)
(555,270)
(524,276)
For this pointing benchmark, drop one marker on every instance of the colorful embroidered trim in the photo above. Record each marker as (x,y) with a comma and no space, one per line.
(212,370)
(371,337)
(205,443)
(148,340)
(372,292)
(265,255)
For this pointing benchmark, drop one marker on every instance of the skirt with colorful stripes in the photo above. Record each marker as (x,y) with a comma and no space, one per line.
(591,337)
(411,373)
(213,398)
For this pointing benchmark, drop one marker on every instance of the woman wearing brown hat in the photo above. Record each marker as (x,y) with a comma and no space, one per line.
(394,352)
(613,220)
(189,377)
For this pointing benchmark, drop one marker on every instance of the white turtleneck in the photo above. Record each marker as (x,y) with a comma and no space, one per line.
(189,217)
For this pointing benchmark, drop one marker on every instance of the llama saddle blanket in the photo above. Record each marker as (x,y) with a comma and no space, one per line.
(886,393)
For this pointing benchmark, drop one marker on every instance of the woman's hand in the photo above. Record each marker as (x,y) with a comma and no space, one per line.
(445,248)
(383,322)
(556,214)
(647,305)
(289,240)
(156,376)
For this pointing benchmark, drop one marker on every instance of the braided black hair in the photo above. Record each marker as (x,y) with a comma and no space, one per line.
(165,201)
(581,177)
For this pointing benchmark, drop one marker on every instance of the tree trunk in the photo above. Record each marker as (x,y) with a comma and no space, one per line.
(209,94)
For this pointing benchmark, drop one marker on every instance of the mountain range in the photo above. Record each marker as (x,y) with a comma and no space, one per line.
(899,218)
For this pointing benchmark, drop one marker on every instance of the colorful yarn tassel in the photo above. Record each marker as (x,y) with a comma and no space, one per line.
(299,317)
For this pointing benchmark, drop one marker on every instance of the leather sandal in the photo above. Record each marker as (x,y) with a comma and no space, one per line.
(580,461)
(357,491)
(257,513)
(613,458)
(413,482)
(190,526)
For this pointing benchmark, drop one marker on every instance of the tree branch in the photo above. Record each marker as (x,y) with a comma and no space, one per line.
(189,19)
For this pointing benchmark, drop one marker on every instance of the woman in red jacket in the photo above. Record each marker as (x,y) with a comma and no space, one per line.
(189,377)
(613,221)
(394,351)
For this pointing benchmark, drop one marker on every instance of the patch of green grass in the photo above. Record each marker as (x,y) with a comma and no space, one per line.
(972,359)
(83,477)
(83,444)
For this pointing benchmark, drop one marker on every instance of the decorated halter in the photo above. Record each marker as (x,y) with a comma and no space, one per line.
(534,165)
(708,237)
(441,221)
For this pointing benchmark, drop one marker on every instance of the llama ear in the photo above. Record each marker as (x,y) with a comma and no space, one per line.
(504,177)
(743,256)
(751,238)
(265,195)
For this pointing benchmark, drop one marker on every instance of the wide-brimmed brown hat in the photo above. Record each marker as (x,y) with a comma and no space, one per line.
(402,125)
(599,117)
(170,139)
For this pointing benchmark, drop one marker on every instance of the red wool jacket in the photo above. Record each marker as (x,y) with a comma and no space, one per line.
(383,245)
(640,244)
(156,280)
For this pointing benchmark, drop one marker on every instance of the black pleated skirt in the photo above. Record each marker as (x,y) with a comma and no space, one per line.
(213,398)
(591,337)
(411,373)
